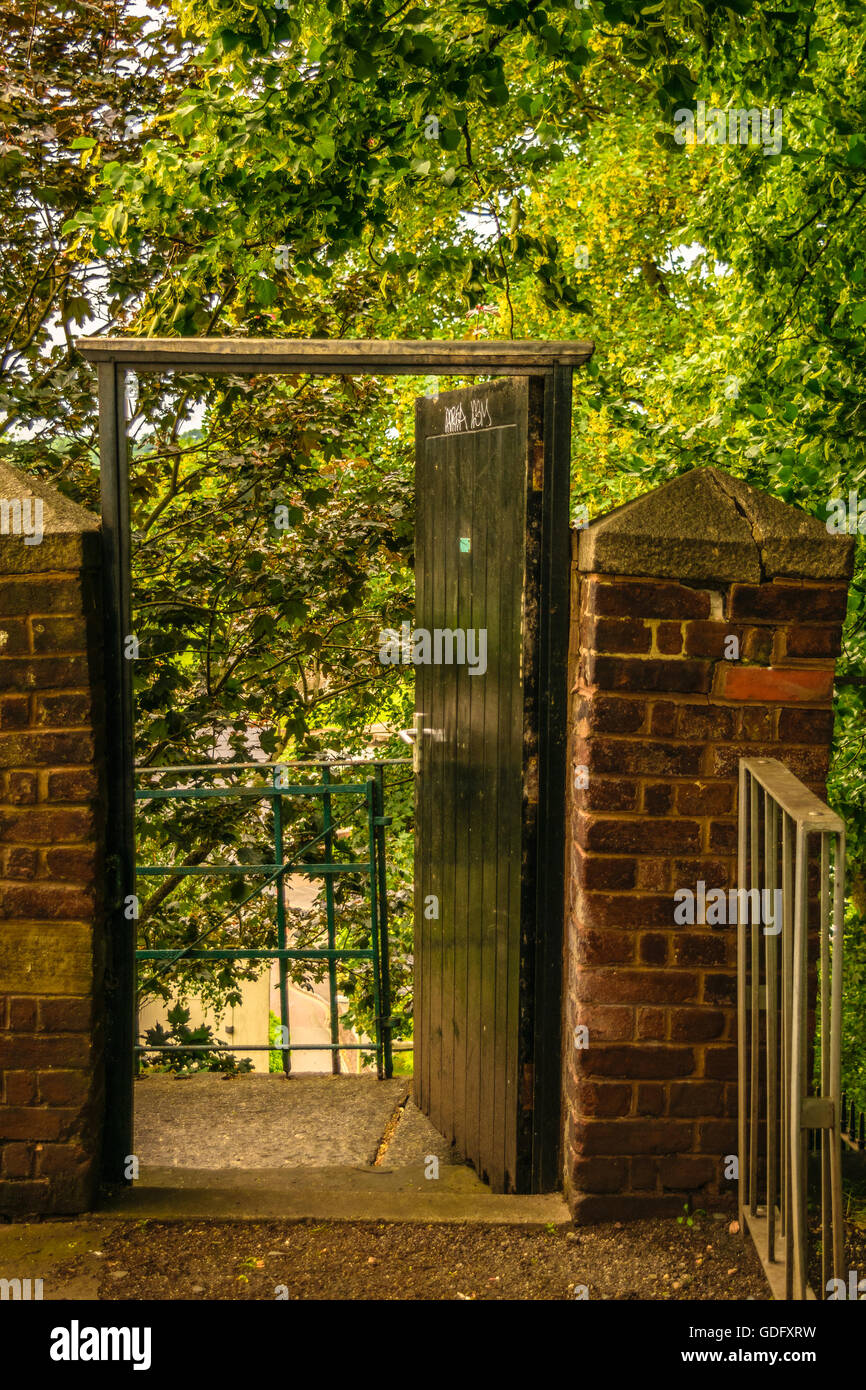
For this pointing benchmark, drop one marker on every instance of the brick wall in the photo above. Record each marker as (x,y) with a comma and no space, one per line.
(51,828)
(660,717)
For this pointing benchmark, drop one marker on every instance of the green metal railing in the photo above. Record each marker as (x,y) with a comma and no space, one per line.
(372,792)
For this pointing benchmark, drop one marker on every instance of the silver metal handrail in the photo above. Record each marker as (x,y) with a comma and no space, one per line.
(773,1147)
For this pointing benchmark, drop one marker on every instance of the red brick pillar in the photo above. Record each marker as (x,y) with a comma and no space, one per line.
(51,826)
(663,705)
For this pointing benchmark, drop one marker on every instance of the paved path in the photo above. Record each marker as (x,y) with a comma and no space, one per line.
(260,1121)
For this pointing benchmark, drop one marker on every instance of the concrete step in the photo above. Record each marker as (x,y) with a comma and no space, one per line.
(326,1194)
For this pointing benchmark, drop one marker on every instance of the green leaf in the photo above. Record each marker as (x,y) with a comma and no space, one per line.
(856,152)
(265,291)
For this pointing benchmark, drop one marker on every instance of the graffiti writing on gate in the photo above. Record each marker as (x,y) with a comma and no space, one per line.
(456,418)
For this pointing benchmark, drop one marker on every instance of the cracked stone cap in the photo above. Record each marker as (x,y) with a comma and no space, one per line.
(70,534)
(707,525)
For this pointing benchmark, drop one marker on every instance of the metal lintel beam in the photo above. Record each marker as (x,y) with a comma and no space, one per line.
(337,356)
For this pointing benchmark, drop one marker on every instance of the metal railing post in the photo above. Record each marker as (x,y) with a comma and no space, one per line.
(774,1169)
(380,822)
(742,1072)
(332,935)
(374,925)
(282,942)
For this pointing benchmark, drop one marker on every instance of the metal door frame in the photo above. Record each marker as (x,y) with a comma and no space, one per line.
(554,362)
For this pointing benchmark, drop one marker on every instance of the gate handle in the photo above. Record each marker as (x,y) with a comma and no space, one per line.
(410,736)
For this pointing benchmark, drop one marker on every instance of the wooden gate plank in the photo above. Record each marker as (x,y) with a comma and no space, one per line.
(471,499)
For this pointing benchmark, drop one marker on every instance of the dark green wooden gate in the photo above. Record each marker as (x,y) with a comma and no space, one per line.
(480,463)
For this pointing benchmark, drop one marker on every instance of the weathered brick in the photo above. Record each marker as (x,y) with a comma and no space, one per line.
(590,1208)
(636,673)
(20,862)
(653,875)
(720,1063)
(653,949)
(686,1172)
(611,1023)
(62,1015)
(697,1025)
(651,1023)
(14,636)
(76,784)
(615,635)
(706,949)
(45,826)
(599,1174)
(43,673)
(806,726)
(636,986)
(709,638)
(643,1172)
(596,872)
(721,989)
(610,794)
(633,1136)
(717,1137)
(643,758)
(695,1098)
(63,710)
(723,836)
(58,635)
(19,1087)
(704,798)
(757,645)
(25,1198)
(645,835)
(658,798)
(49,1050)
(23,1015)
(606,1099)
(14,712)
(758,724)
(648,599)
(650,1099)
(64,1087)
(794,603)
(610,714)
(76,865)
(66,1159)
(663,721)
(778,683)
(35,1123)
(625,910)
(45,902)
(669,638)
(811,641)
(605,948)
(17,1160)
(21,788)
(705,722)
(44,750)
(714,872)
(41,595)
(638,1061)
(809,764)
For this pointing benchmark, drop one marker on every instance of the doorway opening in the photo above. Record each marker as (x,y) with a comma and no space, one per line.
(491,558)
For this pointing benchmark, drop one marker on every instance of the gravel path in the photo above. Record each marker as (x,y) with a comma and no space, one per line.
(265,1121)
(359,1260)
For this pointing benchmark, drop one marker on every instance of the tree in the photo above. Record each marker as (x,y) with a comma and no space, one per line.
(370,169)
